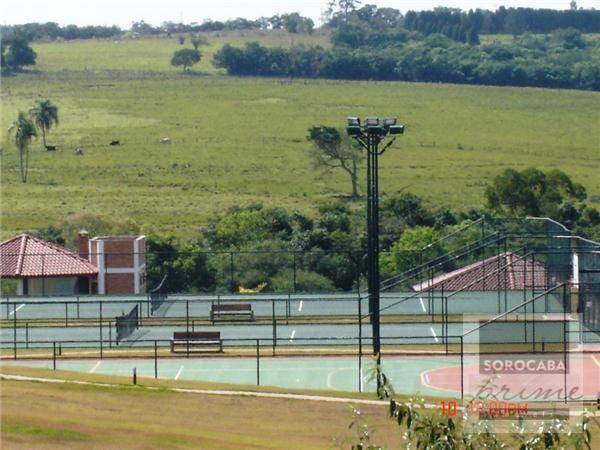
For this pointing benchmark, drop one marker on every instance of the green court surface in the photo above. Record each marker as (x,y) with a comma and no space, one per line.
(321,373)
(433,375)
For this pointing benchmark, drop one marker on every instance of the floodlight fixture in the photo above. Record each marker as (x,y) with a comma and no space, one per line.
(389,121)
(396,129)
(353,122)
(353,130)
(372,122)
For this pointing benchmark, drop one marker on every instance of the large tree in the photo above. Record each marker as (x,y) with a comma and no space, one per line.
(532,192)
(18,54)
(332,149)
(44,114)
(185,57)
(24,131)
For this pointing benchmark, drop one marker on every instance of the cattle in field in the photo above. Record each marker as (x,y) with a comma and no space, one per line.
(165,140)
(78,151)
(50,148)
(113,143)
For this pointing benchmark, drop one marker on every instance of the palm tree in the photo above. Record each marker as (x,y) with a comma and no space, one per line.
(44,114)
(24,131)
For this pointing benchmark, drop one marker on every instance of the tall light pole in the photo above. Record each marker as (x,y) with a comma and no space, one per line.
(369,136)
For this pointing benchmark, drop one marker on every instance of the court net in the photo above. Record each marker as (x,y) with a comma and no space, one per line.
(127,323)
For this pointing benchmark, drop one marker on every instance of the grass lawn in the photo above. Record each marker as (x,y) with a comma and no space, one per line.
(242,140)
(80,416)
(49,415)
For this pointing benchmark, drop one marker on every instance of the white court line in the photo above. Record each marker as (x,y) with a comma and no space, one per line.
(178,373)
(434,335)
(426,376)
(16,309)
(300,307)
(595,360)
(93,369)
(572,413)
(422,305)
(292,335)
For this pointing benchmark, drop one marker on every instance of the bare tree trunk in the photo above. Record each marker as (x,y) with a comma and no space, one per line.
(23,161)
(354,178)
(26,162)
(44,136)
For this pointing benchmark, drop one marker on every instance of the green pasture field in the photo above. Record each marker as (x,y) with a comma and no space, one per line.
(242,140)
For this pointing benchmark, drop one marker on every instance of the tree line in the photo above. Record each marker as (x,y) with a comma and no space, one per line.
(562,60)
(292,23)
(452,22)
(513,21)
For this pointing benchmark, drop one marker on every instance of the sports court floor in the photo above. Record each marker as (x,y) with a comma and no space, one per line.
(425,375)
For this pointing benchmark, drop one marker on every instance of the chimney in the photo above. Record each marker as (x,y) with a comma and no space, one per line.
(83,239)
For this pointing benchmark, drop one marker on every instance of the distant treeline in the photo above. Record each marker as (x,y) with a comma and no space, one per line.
(562,60)
(458,25)
(53,31)
(292,23)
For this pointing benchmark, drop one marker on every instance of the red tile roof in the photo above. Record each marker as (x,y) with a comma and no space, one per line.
(505,271)
(27,256)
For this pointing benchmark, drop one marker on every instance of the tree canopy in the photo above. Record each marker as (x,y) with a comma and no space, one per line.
(44,114)
(185,57)
(24,131)
(333,149)
(16,53)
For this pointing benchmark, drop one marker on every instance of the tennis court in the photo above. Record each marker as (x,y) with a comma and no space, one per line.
(296,306)
(431,375)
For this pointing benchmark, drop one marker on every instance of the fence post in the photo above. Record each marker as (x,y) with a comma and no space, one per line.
(231,272)
(258,362)
(462,368)
(26,334)
(565,338)
(100,307)
(274,335)
(525,320)
(78,308)
(66,314)
(155,360)
(54,355)
(359,342)
(187,317)
(294,254)
(15,331)
(109,334)
(445,300)
(533,321)
(134,376)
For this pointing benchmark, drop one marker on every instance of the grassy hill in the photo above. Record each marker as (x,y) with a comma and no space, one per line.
(241,140)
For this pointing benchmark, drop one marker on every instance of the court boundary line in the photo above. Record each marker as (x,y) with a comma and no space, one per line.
(222,392)
(228,393)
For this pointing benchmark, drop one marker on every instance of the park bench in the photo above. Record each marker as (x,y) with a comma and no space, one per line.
(231,311)
(196,340)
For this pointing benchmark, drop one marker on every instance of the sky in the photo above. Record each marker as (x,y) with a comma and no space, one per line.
(124,12)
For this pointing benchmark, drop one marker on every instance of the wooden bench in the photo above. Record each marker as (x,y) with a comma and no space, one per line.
(231,311)
(195,340)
